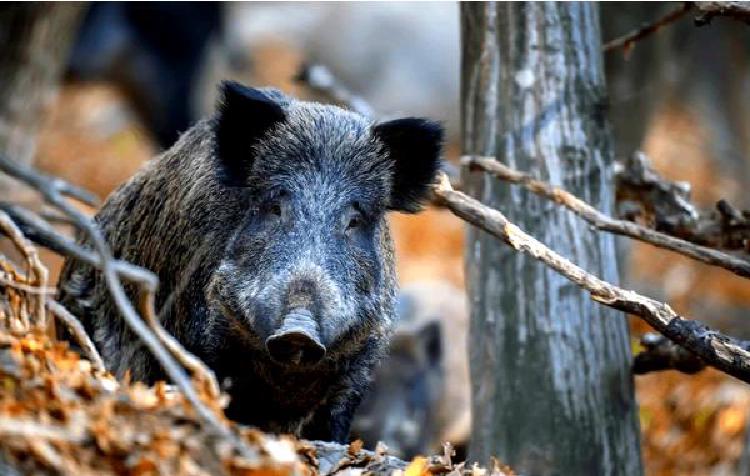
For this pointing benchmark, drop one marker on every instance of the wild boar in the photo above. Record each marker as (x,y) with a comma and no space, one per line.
(266,225)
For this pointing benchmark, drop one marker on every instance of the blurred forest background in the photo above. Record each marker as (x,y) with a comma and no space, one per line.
(137,74)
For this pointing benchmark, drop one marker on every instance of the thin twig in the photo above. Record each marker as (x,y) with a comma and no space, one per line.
(186,358)
(626,42)
(67,189)
(29,430)
(603,222)
(27,288)
(9,228)
(720,351)
(43,233)
(77,330)
(705,12)
(49,188)
(322,81)
(666,207)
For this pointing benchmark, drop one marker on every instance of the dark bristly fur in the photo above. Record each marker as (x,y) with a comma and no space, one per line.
(271,203)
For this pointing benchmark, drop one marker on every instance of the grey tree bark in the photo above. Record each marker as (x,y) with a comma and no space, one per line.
(35,39)
(552,391)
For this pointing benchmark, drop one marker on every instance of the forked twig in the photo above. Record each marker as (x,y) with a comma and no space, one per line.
(705,12)
(628,40)
(42,232)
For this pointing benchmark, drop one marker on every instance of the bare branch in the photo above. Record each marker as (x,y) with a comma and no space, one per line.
(27,288)
(720,351)
(12,427)
(41,232)
(667,208)
(9,228)
(321,80)
(626,42)
(705,12)
(78,332)
(708,10)
(605,223)
(69,190)
(50,189)
(186,358)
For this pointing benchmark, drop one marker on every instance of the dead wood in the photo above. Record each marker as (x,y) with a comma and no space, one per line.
(718,350)
(704,13)
(604,222)
(666,207)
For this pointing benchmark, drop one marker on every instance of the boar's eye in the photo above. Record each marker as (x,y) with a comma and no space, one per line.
(275,209)
(353,220)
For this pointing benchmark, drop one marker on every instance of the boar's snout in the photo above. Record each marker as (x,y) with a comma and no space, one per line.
(297,342)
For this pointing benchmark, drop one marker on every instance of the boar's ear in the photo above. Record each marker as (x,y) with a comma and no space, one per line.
(414,146)
(244,115)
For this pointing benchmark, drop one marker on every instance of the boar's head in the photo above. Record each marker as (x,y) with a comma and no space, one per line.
(307,274)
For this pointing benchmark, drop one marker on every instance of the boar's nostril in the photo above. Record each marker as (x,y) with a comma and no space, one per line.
(297,341)
(294,348)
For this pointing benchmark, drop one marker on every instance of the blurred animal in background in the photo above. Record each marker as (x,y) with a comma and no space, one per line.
(164,55)
(401,408)
(156,53)
(420,395)
(266,226)
(399,56)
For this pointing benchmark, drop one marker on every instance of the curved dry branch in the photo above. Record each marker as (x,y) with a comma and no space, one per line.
(627,41)
(604,222)
(78,332)
(42,233)
(321,80)
(705,12)
(53,191)
(720,351)
(666,207)
(9,228)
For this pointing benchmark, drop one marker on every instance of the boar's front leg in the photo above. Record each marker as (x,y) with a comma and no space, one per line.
(332,421)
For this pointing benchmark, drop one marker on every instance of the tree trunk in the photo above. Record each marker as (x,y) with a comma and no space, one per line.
(35,39)
(552,391)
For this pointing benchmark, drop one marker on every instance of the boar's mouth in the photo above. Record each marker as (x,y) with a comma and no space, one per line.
(297,341)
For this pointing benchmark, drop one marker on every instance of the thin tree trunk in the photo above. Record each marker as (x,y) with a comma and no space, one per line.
(35,39)
(552,391)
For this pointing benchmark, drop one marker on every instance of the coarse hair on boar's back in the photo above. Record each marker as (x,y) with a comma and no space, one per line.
(266,225)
